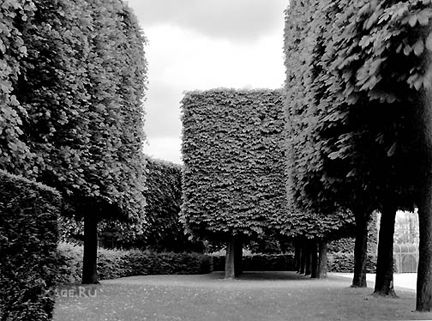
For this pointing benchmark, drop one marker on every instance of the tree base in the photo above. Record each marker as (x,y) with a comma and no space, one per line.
(358,286)
(385,294)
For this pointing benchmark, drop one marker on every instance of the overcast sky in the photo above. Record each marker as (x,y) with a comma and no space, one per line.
(204,44)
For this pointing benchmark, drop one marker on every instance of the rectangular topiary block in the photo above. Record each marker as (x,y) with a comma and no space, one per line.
(233,179)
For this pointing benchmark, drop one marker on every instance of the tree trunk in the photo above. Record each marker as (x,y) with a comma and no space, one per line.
(322,265)
(308,259)
(314,260)
(424,273)
(297,257)
(89,273)
(303,259)
(384,271)
(238,256)
(360,251)
(230,259)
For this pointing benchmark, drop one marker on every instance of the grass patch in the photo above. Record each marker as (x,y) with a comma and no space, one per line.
(268,296)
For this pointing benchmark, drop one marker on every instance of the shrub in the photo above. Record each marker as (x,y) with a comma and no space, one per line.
(117,263)
(28,242)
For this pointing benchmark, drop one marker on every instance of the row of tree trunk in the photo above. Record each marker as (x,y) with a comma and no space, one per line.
(311,258)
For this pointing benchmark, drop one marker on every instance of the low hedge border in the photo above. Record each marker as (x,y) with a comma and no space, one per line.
(259,262)
(344,262)
(118,263)
(337,262)
(28,242)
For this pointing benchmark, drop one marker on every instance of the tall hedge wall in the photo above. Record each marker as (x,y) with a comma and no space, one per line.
(28,245)
(233,162)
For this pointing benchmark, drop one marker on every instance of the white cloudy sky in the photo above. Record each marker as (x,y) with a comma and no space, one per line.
(204,44)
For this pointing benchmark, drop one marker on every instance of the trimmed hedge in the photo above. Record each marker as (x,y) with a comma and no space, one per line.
(337,262)
(28,243)
(346,245)
(260,262)
(233,162)
(344,262)
(116,263)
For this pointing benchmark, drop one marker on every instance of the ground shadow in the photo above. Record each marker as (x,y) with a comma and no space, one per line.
(265,275)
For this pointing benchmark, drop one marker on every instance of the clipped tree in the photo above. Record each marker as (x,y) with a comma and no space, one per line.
(393,78)
(233,186)
(80,87)
(315,213)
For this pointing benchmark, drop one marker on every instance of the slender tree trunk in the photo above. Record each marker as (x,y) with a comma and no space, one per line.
(89,275)
(238,256)
(360,251)
(314,260)
(303,259)
(384,271)
(322,265)
(424,273)
(230,259)
(297,257)
(308,259)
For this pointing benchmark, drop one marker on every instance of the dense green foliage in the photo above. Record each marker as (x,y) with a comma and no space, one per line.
(312,213)
(15,154)
(233,162)
(28,243)
(121,263)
